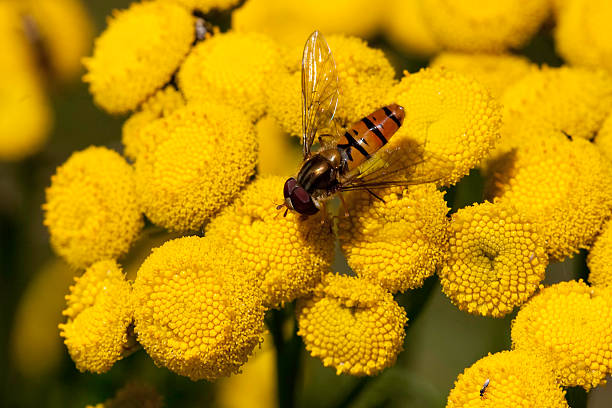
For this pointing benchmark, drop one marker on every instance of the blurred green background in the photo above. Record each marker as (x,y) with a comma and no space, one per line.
(441,341)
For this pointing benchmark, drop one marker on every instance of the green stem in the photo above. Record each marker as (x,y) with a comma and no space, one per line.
(287,356)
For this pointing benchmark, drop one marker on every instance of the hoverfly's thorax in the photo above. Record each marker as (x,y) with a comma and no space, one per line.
(317,173)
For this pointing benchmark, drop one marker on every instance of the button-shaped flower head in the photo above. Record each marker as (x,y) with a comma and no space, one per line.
(138,53)
(397,243)
(91,211)
(352,325)
(99,310)
(407,29)
(584,22)
(233,68)
(570,325)
(288,254)
(133,395)
(480,25)
(204,6)
(600,258)
(508,379)
(452,119)
(495,71)
(563,185)
(198,310)
(192,163)
(496,259)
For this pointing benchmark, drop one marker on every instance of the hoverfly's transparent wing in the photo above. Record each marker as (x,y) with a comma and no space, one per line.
(395,166)
(319,88)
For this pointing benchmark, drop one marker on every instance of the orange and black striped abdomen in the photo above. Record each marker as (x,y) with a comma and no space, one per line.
(367,136)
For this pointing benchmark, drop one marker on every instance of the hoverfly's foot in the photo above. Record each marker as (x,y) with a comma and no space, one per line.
(346,213)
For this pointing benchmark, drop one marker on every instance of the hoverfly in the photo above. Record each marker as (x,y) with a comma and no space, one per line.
(339,164)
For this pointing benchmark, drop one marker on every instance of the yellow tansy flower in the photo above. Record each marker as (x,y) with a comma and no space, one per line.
(25,114)
(564,186)
(133,395)
(496,72)
(365,76)
(481,25)
(91,209)
(233,68)
(36,349)
(278,156)
(452,118)
(570,325)
(138,54)
(198,309)
(66,31)
(599,259)
(162,103)
(352,325)
(290,22)
(397,243)
(205,6)
(571,100)
(193,163)
(603,138)
(288,254)
(514,379)
(496,260)
(583,33)
(99,310)
(407,28)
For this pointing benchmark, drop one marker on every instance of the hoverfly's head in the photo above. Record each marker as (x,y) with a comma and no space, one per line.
(298,199)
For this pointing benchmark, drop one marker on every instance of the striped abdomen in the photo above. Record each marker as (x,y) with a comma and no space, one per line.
(367,136)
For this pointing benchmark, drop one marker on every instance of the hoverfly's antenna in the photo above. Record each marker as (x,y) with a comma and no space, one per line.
(278,207)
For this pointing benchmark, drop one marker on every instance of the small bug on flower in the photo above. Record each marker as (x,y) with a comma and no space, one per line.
(484,388)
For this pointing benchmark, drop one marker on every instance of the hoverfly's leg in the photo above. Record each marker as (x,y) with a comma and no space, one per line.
(375,195)
(346,213)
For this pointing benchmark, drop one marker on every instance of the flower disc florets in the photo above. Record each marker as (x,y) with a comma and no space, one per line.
(352,325)
(496,260)
(451,123)
(138,54)
(515,379)
(289,255)
(569,325)
(192,163)
(99,310)
(91,211)
(564,186)
(397,243)
(198,310)
(600,258)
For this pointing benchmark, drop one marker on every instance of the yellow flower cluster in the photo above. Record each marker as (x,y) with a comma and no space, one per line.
(397,243)
(563,185)
(233,68)
(407,29)
(496,260)
(569,325)
(495,71)
(583,33)
(91,209)
(277,154)
(514,379)
(161,104)
(452,118)
(99,311)
(192,163)
(133,395)
(481,25)
(65,31)
(288,254)
(205,6)
(25,113)
(291,22)
(572,100)
(352,325)
(603,139)
(198,308)
(140,51)
(600,254)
